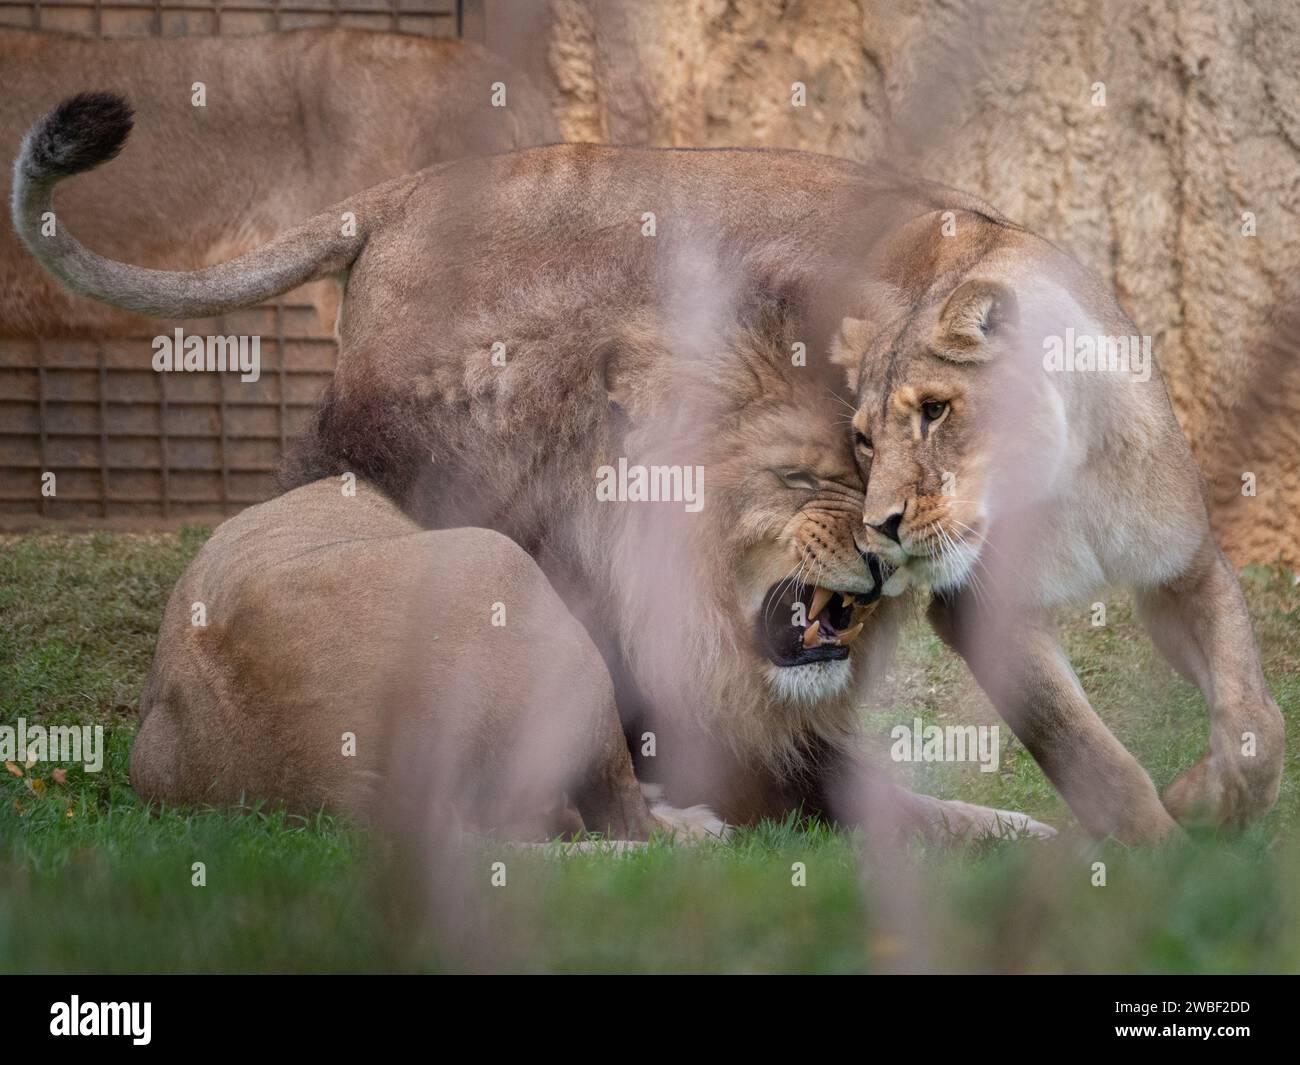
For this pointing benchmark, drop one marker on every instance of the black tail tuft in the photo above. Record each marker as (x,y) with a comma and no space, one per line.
(82,132)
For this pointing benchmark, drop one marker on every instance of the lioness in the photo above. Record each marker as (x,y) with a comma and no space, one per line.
(324,651)
(1020,451)
(517,328)
(287,124)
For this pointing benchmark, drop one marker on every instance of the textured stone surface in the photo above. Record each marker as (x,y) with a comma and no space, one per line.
(1201,124)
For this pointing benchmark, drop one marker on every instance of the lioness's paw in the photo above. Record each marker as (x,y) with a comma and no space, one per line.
(1211,796)
(692,823)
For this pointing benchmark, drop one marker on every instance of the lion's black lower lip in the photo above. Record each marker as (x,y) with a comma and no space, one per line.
(808,655)
(781,641)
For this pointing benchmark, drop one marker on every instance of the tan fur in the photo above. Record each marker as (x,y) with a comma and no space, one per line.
(671,349)
(1034,488)
(294,121)
(328,615)
(322,651)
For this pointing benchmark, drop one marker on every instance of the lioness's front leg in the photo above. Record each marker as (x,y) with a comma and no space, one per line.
(1200,623)
(1024,672)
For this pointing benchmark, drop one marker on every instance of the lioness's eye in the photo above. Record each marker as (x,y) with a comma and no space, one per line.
(795,478)
(933,410)
(865,444)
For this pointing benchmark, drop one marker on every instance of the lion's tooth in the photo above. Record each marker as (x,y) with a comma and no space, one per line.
(810,634)
(849,635)
(846,600)
(821,597)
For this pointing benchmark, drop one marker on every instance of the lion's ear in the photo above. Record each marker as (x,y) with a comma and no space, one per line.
(975,313)
(617,378)
(848,347)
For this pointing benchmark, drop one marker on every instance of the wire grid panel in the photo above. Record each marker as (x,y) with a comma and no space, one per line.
(121,440)
(181,18)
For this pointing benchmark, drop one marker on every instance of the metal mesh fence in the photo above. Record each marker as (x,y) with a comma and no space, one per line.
(125,442)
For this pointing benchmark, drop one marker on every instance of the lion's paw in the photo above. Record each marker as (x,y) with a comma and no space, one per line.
(1007,824)
(967,822)
(691,823)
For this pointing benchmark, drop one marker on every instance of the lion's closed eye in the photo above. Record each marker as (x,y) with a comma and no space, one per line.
(793,477)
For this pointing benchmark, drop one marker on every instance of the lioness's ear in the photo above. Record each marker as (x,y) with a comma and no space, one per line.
(847,349)
(974,313)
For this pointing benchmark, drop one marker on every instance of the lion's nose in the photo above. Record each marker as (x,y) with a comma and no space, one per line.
(889,527)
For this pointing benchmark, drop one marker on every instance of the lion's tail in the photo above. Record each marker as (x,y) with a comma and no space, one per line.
(87,130)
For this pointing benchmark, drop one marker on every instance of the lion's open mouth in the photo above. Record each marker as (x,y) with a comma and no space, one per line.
(834,620)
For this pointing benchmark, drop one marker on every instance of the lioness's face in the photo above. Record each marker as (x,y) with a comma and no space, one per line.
(923,433)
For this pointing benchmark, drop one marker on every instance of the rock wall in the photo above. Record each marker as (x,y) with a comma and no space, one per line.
(1159,142)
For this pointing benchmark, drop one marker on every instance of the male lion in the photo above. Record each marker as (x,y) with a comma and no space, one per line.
(288,124)
(1020,451)
(517,328)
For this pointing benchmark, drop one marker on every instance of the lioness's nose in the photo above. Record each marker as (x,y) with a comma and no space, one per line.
(889,527)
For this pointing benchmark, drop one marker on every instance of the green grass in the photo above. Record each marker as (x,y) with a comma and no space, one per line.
(90,880)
